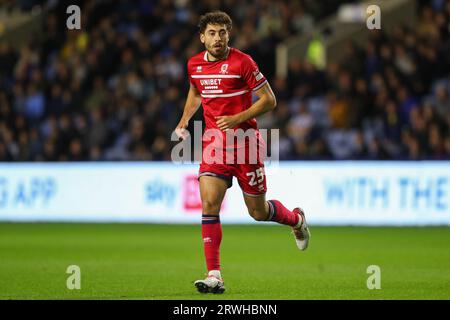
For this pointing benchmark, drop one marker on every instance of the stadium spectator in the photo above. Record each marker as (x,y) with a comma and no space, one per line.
(113,90)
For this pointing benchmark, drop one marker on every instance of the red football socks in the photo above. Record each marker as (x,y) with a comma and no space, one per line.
(282,215)
(212,230)
(212,236)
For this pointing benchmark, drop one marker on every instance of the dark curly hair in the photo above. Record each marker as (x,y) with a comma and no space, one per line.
(214,17)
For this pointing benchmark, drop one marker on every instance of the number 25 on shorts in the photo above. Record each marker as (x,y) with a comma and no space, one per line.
(258,174)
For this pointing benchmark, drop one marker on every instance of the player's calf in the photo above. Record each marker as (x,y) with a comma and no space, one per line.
(257,207)
(258,214)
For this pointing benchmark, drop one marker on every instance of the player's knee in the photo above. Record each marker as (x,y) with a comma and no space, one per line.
(258,215)
(210,207)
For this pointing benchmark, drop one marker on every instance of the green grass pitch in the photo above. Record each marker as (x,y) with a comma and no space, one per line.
(145,261)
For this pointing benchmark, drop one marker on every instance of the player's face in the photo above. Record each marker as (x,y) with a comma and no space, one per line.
(216,39)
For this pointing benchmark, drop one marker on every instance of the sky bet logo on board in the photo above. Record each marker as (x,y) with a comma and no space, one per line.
(192,201)
(191,193)
(159,192)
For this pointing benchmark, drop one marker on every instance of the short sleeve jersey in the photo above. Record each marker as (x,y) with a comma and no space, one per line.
(225,86)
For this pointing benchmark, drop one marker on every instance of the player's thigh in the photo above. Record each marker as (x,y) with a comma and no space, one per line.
(212,192)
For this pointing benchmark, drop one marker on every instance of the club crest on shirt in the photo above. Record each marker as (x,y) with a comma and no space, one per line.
(199,68)
(224,68)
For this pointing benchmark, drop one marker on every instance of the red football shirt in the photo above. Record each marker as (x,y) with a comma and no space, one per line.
(226,85)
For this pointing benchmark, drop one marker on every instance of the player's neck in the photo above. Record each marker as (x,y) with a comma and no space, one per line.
(211,58)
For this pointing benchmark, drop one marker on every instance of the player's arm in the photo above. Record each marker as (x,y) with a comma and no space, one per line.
(191,106)
(266,102)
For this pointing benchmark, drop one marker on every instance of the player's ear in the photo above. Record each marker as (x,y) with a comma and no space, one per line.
(202,37)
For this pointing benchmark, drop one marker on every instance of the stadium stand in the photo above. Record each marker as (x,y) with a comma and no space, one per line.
(115,89)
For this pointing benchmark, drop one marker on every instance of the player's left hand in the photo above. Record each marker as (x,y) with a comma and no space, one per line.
(226,122)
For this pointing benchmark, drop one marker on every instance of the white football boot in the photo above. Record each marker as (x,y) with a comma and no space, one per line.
(301,231)
(211,284)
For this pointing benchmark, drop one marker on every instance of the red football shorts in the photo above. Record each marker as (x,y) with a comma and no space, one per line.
(245,162)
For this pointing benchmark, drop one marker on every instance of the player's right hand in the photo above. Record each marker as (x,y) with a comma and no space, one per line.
(181,131)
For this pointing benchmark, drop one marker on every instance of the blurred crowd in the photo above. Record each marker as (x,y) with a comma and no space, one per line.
(389,100)
(115,89)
